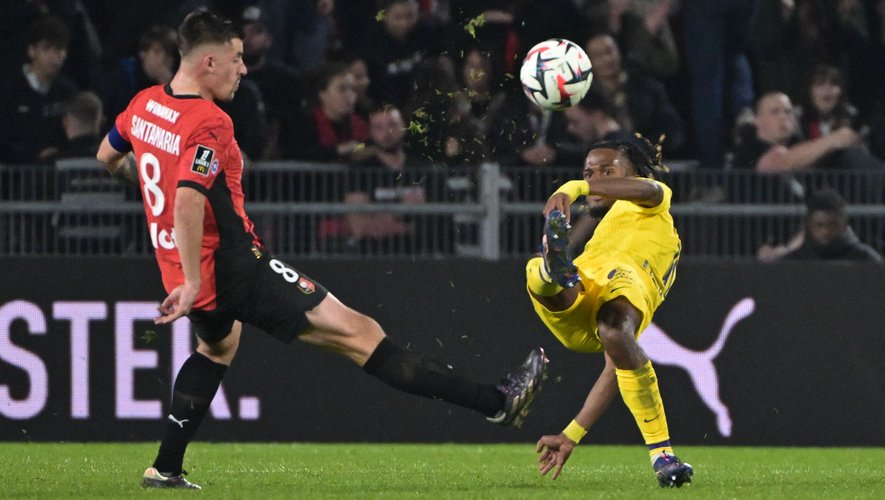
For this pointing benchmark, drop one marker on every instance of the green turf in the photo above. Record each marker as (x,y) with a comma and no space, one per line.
(264,471)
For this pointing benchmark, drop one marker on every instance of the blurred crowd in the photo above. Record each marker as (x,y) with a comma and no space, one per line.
(723,80)
(767,85)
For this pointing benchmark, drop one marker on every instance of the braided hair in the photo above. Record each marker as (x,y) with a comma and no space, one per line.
(644,155)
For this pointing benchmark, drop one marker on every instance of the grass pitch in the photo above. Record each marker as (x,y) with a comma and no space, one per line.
(263,471)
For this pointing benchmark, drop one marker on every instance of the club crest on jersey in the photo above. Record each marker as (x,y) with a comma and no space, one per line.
(202,160)
(306,286)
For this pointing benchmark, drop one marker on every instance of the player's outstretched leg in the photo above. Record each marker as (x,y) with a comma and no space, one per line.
(557,263)
(155,479)
(520,388)
(670,471)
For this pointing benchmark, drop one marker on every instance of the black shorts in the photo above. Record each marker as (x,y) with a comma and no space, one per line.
(261,290)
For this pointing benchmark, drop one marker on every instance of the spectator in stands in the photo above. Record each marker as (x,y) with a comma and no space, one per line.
(591,120)
(32,98)
(362,81)
(791,37)
(331,130)
(825,104)
(394,48)
(641,102)
(279,84)
(482,89)
(154,64)
(774,145)
(826,236)
(716,37)
(497,34)
(384,177)
(441,129)
(82,121)
(523,134)
(247,111)
(642,30)
(310,30)
(83,61)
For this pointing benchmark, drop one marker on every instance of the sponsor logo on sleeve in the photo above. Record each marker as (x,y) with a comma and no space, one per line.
(202,160)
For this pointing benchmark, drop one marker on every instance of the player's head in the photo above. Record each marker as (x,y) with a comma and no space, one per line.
(825,220)
(621,158)
(212,51)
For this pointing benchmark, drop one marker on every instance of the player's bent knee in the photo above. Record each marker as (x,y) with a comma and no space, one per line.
(224,350)
(353,334)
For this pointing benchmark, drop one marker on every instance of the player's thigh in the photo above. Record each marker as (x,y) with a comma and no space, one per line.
(278,298)
(334,326)
(224,350)
(574,327)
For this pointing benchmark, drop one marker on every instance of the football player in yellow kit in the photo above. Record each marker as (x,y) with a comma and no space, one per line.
(603,299)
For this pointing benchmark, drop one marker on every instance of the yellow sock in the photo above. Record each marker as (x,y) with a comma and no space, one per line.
(538,280)
(639,389)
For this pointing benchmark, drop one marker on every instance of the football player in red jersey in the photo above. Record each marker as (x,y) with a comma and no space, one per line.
(180,147)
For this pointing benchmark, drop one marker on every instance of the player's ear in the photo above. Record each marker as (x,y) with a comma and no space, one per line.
(209,62)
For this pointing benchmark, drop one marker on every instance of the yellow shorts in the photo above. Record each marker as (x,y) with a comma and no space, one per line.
(603,281)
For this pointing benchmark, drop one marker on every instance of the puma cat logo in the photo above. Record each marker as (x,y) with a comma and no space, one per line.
(179,422)
(661,349)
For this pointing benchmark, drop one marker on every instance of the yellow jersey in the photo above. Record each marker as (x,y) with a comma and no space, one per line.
(633,254)
(643,237)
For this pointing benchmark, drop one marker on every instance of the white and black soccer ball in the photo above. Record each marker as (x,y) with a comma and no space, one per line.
(556,74)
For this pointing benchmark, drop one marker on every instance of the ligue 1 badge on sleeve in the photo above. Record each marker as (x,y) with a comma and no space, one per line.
(202,160)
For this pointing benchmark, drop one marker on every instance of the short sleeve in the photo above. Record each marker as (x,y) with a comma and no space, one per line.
(662,207)
(204,155)
(118,136)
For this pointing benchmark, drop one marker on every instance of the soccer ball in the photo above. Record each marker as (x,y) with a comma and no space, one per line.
(556,74)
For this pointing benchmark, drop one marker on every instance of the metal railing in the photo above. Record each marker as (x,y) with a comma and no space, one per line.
(486,212)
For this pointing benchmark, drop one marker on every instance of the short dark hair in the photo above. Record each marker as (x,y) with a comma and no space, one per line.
(825,200)
(323,76)
(642,154)
(51,30)
(203,27)
(84,107)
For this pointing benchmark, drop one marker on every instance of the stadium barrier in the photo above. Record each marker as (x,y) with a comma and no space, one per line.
(489,211)
(746,354)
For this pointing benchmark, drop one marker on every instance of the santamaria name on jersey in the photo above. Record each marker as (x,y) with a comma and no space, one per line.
(151,133)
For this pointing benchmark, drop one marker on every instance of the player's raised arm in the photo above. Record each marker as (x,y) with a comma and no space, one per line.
(643,192)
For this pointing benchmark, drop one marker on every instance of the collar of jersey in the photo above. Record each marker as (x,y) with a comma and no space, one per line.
(168,89)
